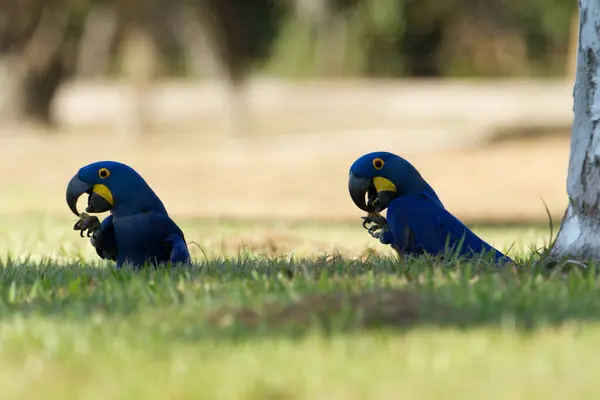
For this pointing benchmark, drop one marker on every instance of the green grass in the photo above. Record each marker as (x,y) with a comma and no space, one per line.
(286,320)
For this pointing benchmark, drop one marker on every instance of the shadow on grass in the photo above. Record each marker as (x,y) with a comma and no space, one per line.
(383,307)
(427,292)
(518,300)
(390,309)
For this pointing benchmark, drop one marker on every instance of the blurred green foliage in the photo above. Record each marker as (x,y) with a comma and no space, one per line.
(429,38)
(45,42)
(377,38)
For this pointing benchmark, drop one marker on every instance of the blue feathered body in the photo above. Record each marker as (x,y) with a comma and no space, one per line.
(143,238)
(419,224)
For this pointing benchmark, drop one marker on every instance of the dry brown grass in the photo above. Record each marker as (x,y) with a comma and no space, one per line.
(291,176)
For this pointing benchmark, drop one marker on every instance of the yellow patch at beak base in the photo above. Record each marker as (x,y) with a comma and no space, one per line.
(103,192)
(383,185)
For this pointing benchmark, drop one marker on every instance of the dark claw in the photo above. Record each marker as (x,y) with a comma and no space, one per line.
(374,219)
(365,222)
(379,221)
(373,231)
(87,224)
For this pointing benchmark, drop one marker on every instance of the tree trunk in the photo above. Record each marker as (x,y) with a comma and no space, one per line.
(12,96)
(32,71)
(27,93)
(39,88)
(331,44)
(201,56)
(140,66)
(579,235)
(97,41)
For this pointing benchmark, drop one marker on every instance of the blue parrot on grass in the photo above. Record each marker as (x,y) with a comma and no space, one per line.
(138,230)
(416,222)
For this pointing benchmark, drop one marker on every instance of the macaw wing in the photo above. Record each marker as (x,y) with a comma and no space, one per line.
(179,249)
(151,237)
(174,238)
(433,228)
(401,238)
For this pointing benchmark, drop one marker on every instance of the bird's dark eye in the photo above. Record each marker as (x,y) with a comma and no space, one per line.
(378,163)
(103,173)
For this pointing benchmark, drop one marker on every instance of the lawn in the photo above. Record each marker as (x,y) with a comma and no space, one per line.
(282,310)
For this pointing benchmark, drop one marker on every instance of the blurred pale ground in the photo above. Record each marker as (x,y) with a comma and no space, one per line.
(290,171)
(40,237)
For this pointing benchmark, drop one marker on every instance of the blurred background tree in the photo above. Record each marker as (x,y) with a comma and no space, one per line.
(45,42)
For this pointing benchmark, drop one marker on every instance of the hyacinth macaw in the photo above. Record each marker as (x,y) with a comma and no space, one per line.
(138,229)
(416,221)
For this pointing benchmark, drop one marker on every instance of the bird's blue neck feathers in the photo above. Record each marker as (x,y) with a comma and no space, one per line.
(409,180)
(138,198)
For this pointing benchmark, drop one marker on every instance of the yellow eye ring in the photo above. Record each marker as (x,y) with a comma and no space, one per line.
(103,173)
(378,163)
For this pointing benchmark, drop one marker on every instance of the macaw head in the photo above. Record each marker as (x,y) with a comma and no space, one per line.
(379,177)
(112,186)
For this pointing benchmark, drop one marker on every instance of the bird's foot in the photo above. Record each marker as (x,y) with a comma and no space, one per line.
(379,224)
(87,223)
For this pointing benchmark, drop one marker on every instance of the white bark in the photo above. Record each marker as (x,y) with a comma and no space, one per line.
(579,235)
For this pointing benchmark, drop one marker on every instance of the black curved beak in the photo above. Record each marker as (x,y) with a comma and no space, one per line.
(75,189)
(359,188)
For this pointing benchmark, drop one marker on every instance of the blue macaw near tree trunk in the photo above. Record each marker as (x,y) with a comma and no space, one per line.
(416,221)
(138,230)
